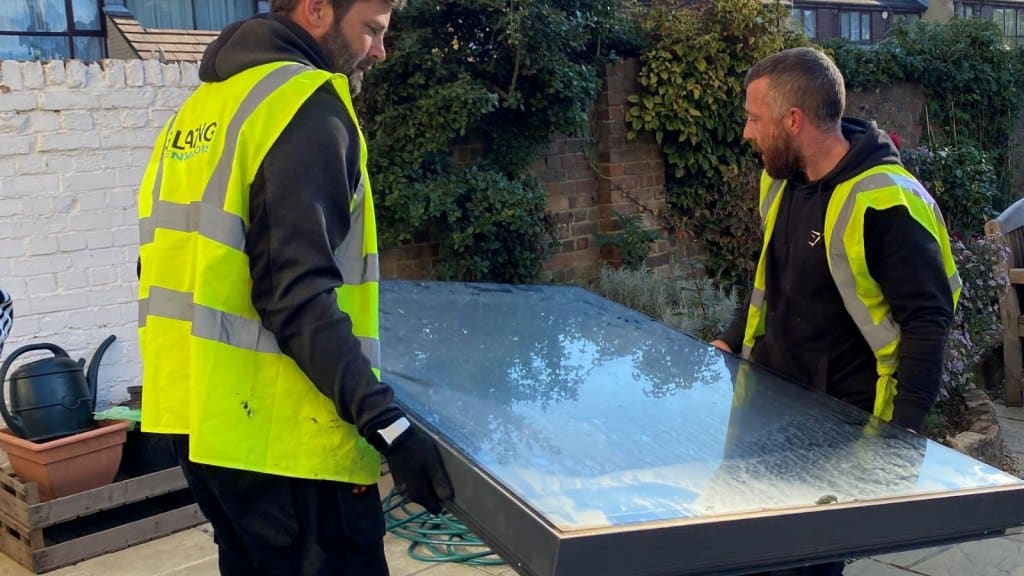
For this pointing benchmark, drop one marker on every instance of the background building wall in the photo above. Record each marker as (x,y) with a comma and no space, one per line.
(74,142)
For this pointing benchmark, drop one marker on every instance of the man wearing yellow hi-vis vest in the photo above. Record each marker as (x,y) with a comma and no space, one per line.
(855,287)
(258,303)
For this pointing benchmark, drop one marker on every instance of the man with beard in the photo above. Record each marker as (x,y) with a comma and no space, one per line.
(855,287)
(258,319)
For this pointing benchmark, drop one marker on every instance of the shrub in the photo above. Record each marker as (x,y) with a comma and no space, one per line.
(971,79)
(502,75)
(489,226)
(962,181)
(685,301)
(977,328)
(633,241)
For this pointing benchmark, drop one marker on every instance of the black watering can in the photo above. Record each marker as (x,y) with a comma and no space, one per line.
(51,397)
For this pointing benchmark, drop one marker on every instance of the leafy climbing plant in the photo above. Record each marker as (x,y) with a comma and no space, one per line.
(504,74)
(691,99)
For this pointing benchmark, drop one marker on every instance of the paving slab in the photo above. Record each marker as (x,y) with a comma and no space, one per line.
(873,567)
(192,552)
(910,557)
(991,557)
(1011,426)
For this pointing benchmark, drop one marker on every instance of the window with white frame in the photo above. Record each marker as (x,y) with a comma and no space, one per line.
(51,30)
(855,26)
(806,20)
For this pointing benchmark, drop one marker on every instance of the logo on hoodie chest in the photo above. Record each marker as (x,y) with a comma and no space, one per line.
(187,144)
(814,239)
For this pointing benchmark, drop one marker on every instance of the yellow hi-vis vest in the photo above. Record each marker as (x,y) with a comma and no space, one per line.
(878,188)
(209,367)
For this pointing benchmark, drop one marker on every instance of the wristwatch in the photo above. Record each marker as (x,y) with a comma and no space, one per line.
(391,432)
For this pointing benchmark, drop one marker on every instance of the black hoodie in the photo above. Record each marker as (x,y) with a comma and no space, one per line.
(298,208)
(809,335)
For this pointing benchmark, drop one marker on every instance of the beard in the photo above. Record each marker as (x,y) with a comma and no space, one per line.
(344,59)
(780,156)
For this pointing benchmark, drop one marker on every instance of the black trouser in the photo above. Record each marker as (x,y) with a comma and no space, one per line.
(273,525)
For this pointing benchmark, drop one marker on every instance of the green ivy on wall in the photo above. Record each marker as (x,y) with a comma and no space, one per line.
(973,82)
(505,74)
(691,100)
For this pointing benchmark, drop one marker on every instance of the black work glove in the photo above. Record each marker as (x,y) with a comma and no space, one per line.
(417,470)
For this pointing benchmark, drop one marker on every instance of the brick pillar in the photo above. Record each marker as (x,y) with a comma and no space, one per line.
(632,171)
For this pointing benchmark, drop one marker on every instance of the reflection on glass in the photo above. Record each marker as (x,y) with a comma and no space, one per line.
(217,15)
(86,14)
(162,14)
(88,47)
(595,415)
(34,47)
(33,16)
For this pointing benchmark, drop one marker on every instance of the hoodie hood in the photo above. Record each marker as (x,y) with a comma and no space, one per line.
(262,39)
(869,147)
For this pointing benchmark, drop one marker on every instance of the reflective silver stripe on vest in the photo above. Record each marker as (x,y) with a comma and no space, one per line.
(769,198)
(211,221)
(216,187)
(881,335)
(354,268)
(756,301)
(211,324)
(207,323)
(955,283)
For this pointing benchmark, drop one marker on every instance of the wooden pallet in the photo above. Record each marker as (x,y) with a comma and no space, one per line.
(44,536)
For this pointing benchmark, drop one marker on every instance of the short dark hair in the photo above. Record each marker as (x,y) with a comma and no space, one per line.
(340,6)
(804,78)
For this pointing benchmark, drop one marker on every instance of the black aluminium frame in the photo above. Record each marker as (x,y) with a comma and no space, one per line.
(71,32)
(724,545)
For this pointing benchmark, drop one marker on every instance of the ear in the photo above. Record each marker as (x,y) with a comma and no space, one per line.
(314,16)
(793,121)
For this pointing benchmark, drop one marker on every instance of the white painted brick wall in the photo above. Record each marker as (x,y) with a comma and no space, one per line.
(74,142)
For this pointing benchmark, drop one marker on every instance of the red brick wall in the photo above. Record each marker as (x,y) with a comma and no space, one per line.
(587,178)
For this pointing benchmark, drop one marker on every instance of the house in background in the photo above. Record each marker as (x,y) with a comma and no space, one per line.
(1007,14)
(860,21)
(168,30)
(173,30)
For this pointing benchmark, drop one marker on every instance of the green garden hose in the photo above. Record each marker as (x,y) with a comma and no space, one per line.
(435,537)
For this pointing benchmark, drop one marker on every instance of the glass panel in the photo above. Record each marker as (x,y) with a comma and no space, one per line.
(263,6)
(86,13)
(844,26)
(811,23)
(33,16)
(594,415)
(34,48)
(865,27)
(88,47)
(174,14)
(214,15)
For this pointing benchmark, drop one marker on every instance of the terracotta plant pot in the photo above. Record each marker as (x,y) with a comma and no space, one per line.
(70,464)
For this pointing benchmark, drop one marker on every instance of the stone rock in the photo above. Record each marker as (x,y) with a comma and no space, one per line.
(983,440)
